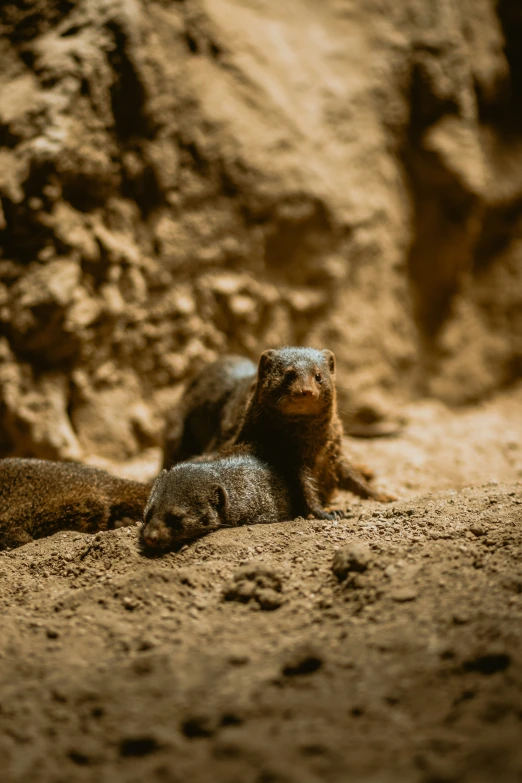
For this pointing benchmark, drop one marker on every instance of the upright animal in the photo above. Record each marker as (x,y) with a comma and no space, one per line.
(285,414)
(194,498)
(40,497)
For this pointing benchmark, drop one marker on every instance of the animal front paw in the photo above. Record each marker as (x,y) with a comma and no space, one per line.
(339,513)
(330,516)
(385,497)
(124,522)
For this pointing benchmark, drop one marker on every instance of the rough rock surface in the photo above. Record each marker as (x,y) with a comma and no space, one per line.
(243,658)
(177,178)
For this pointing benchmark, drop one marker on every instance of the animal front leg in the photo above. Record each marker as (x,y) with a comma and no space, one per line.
(310,498)
(364,470)
(352,480)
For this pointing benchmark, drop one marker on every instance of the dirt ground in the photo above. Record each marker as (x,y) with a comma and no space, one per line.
(255,655)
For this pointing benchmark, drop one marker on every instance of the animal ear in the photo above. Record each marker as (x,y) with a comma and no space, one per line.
(330,358)
(159,477)
(219,497)
(157,482)
(265,362)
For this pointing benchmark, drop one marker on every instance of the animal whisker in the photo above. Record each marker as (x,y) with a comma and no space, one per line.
(134,516)
(347,410)
(348,389)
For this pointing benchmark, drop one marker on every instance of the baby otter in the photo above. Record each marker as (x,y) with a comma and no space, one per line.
(194,498)
(39,497)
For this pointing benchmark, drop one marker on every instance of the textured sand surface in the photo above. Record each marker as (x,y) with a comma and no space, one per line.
(386,647)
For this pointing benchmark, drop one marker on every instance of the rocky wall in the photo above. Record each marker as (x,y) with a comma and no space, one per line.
(182,178)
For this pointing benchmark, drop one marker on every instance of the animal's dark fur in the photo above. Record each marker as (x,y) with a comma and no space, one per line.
(194,498)
(286,414)
(40,497)
(210,410)
(291,421)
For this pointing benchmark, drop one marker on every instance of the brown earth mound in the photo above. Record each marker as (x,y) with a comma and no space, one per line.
(386,647)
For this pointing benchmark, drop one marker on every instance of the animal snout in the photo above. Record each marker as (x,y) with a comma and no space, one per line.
(154,535)
(303,392)
(151,538)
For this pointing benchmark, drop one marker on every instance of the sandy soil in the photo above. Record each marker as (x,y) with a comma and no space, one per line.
(386,647)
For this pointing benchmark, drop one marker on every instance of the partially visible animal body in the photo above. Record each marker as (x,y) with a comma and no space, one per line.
(194,498)
(210,410)
(285,414)
(41,497)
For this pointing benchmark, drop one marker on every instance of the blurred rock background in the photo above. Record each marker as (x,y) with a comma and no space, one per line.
(179,178)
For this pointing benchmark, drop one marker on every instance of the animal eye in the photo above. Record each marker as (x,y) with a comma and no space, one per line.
(174,521)
(318,377)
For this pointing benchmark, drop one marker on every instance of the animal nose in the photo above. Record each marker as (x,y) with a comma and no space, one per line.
(307,393)
(151,537)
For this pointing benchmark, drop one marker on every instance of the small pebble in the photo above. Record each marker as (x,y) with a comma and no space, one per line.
(304,659)
(351,557)
(403,594)
(460,618)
